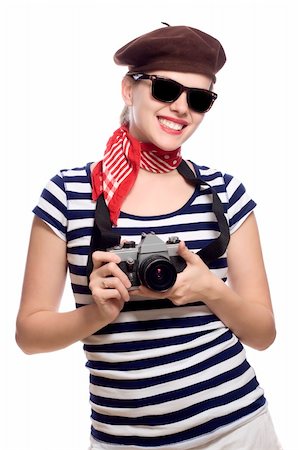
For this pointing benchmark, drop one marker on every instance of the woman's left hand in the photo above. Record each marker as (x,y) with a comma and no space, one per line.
(193,283)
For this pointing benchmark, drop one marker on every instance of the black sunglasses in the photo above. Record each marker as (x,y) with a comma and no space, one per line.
(167,91)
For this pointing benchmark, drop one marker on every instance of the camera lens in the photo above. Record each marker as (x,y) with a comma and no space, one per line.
(157,272)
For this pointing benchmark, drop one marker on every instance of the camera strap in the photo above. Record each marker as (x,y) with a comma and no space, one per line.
(104,236)
(218,246)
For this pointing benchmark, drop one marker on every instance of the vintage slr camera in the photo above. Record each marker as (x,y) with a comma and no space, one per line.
(152,262)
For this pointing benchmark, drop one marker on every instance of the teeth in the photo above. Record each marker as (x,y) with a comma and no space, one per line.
(172,125)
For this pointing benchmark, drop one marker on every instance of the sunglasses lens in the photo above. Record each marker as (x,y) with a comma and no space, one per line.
(168,91)
(165,90)
(200,101)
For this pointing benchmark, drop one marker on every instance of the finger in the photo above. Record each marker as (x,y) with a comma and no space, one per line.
(115,290)
(99,258)
(108,277)
(105,284)
(105,264)
(113,270)
(186,254)
(149,293)
(115,284)
(102,296)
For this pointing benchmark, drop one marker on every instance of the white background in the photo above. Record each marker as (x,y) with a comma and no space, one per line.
(60,101)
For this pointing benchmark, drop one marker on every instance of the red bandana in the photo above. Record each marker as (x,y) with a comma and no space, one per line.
(116,173)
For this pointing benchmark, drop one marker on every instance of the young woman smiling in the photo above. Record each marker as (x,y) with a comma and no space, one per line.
(166,268)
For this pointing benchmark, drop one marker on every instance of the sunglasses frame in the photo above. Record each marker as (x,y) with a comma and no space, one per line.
(182,88)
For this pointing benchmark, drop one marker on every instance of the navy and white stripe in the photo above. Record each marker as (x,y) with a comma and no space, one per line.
(161,376)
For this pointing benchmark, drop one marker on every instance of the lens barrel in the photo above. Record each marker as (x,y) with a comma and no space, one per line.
(157,273)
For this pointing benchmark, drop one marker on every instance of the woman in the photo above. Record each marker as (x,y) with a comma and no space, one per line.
(167,367)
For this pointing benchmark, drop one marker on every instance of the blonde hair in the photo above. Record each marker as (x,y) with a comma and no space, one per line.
(124,116)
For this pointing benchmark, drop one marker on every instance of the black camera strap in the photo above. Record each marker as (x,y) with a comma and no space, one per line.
(103,235)
(218,246)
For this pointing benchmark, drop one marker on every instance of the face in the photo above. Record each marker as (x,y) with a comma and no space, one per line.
(166,125)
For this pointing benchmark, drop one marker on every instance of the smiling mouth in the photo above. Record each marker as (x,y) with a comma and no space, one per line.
(170,124)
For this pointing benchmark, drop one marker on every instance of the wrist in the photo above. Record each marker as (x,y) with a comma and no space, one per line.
(93,318)
(215,291)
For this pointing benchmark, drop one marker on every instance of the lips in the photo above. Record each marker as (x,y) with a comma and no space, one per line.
(172,124)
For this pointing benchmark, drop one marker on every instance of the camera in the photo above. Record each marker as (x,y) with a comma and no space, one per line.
(152,263)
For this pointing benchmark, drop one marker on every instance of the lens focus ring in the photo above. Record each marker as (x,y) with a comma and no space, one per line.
(157,273)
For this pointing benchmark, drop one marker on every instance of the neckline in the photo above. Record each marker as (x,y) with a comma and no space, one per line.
(124,215)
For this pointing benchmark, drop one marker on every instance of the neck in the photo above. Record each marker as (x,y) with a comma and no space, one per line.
(149,147)
(146,173)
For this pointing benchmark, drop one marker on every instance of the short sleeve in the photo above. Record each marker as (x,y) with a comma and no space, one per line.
(240,204)
(52,206)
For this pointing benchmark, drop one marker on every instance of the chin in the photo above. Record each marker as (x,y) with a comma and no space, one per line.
(171,143)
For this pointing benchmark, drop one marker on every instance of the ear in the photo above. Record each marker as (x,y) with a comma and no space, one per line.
(127,90)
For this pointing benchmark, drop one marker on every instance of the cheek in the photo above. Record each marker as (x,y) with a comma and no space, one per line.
(197,119)
(138,114)
(143,110)
(140,120)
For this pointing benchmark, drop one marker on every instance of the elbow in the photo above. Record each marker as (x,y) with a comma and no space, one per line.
(268,342)
(27,349)
(264,342)
(23,340)
(259,336)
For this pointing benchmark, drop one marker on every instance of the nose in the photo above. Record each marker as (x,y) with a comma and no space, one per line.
(180,105)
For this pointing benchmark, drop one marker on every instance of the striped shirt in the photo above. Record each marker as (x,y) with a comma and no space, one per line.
(161,376)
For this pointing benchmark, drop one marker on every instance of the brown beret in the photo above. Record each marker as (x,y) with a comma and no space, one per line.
(174,48)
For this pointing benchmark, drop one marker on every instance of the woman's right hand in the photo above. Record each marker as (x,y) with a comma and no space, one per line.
(108,284)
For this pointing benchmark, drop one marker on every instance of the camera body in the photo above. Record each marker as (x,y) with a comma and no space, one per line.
(152,263)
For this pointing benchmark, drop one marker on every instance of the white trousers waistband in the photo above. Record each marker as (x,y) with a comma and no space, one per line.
(256,434)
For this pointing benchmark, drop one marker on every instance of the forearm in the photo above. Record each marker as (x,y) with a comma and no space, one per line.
(251,321)
(46,331)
